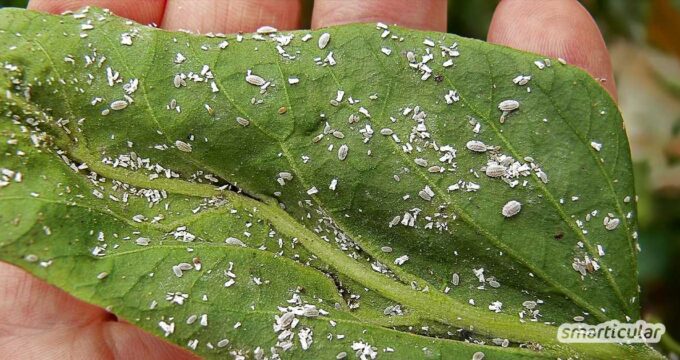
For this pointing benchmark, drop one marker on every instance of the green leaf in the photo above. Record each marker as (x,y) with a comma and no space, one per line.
(144,152)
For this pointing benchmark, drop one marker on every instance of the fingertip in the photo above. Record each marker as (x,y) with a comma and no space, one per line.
(143,12)
(423,15)
(558,28)
(127,341)
(231,16)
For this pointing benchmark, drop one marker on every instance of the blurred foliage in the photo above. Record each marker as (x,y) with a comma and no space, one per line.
(645,33)
(13,3)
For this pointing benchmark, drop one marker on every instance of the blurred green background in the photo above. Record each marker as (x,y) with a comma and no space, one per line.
(644,40)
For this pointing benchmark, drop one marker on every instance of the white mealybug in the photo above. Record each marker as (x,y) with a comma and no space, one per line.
(411,57)
(178,81)
(266,29)
(286,175)
(421,162)
(342,152)
(611,223)
(507,106)
(495,170)
(241,121)
(182,146)
(521,80)
(476,146)
(511,208)
(323,40)
(317,138)
(426,194)
(255,80)
(119,105)
(234,241)
(222,343)
(386,131)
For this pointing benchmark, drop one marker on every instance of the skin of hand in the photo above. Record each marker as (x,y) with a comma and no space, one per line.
(39,321)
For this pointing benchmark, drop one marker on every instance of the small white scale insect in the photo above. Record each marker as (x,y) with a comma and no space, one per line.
(507,106)
(495,170)
(119,105)
(511,208)
(255,80)
(476,146)
(323,40)
(342,152)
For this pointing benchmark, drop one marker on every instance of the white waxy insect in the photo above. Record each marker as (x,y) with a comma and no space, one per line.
(182,146)
(401,260)
(323,40)
(266,29)
(386,132)
(507,106)
(511,208)
(611,223)
(317,138)
(234,241)
(255,80)
(185,266)
(411,57)
(478,355)
(338,134)
(342,152)
(421,162)
(476,146)
(455,279)
(495,170)
(242,121)
(178,81)
(386,249)
(222,343)
(426,194)
(119,105)
(596,145)
(521,80)
(179,58)
(177,271)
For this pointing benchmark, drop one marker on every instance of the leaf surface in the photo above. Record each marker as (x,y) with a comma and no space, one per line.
(283,177)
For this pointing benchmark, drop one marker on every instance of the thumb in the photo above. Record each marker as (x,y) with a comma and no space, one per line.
(555,28)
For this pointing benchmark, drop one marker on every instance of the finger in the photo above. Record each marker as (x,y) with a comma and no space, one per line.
(129,342)
(143,12)
(424,15)
(230,16)
(557,28)
(27,300)
(40,321)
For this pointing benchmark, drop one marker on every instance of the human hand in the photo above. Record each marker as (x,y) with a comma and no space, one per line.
(41,321)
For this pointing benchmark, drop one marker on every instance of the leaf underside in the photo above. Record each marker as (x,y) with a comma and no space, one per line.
(143,172)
